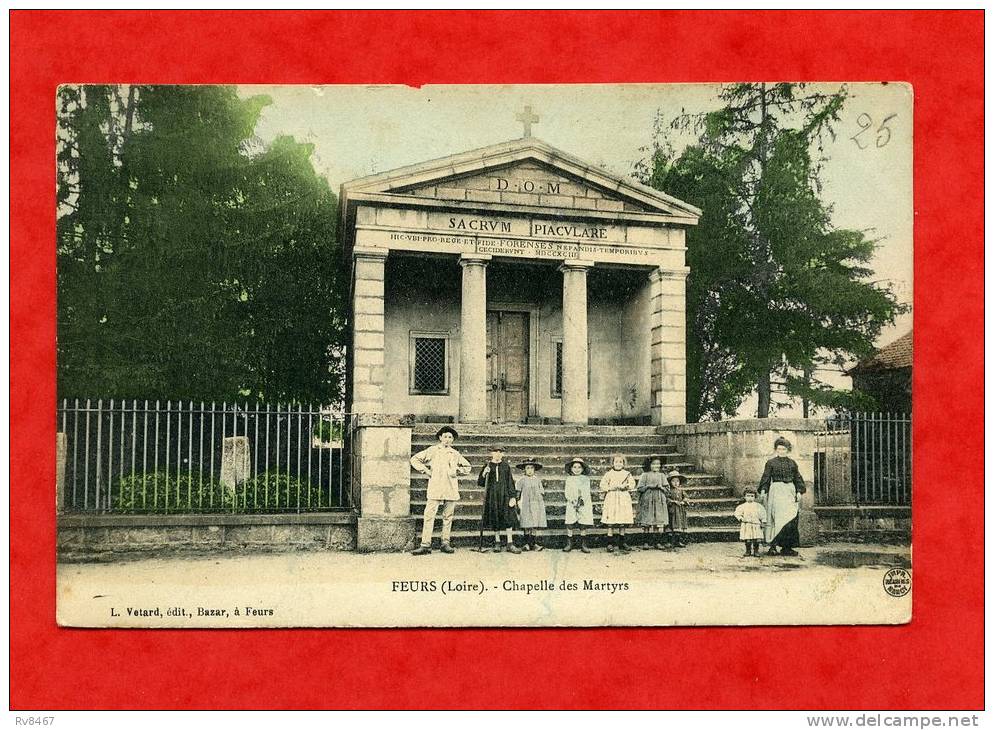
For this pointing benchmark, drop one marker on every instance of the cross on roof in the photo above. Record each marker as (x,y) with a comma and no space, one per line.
(527,118)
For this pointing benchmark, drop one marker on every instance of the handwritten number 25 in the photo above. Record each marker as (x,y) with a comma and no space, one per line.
(865,122)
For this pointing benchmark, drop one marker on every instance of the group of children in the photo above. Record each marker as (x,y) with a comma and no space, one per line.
(510,503)
(520,503)
(660,507)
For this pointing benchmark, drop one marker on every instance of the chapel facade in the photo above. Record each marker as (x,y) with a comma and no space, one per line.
(516,284)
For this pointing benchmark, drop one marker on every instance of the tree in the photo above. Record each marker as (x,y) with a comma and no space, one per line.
(192,262)
(775,292)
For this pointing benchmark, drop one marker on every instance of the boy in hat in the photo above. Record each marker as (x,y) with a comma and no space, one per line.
(443,465)
(499,500)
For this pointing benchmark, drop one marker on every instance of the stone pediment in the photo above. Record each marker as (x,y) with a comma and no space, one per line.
(527,173)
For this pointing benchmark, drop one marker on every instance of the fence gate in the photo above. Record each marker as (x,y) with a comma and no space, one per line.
(864,459)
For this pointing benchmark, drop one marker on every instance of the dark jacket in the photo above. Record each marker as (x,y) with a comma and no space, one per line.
(782,469)
(498,491)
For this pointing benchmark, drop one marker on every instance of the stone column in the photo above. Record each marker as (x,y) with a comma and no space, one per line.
(381,482)
(668,307)
(60,470)
(473,344)
(367,330)
(575,400)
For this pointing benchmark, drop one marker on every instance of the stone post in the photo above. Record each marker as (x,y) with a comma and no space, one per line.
(60,471)
(381,477)
(236,466)
(575,399)
(668,308)
(473,345)
(367,330)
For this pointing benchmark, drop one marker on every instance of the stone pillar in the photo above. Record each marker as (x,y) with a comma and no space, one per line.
(367,330)
(236,466)
(381,479)
(668,308)
(60,471)
(575,398)
(473,344)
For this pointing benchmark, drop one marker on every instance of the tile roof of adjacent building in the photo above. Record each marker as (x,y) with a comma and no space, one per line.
(894,356)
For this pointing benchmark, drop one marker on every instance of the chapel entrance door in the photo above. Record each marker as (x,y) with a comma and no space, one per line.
(507,366)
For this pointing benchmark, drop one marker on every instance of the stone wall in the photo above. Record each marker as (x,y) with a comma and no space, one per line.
(94,537)
(870,523)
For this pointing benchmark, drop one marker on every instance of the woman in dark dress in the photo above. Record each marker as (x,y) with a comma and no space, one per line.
(499,502)
(780,488)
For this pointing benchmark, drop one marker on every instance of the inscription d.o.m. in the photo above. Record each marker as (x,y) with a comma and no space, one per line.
(547,187)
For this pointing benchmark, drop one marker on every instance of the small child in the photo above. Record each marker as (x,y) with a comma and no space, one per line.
(676,502)
(499,500)
(579,507)
(531,503)
(617,485)
(653,514)
(752,516)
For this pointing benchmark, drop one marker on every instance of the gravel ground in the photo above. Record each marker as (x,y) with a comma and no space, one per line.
(702,584)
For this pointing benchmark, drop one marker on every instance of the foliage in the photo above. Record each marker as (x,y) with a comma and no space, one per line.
(330,431)
(171,493)
(775,293)
(278,491)
(192,262)
(168,493)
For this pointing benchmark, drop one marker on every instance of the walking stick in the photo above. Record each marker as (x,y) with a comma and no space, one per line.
(486,485)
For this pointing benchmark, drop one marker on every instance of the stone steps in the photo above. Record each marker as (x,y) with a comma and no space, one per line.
(491,430)
(554,481)
(559,451)
(705,493)
(470,520)
(575,441)
(555,537)
(556,501)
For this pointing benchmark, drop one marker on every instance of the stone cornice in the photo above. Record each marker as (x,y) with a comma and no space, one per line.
(507,153)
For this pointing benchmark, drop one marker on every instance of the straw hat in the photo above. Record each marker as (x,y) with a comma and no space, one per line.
(529,462)
(576,460)
(676,473)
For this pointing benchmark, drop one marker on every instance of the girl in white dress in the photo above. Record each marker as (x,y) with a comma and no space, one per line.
(617,486)
(579,505)
(752,519)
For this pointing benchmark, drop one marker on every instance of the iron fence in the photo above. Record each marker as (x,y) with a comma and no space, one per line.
(864,459)
(176,457)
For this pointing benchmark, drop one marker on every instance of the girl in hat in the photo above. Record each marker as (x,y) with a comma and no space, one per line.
(531,503)
(752,518)
(617,486)
(653,514)
(579,507)
(499,500)
(782,486)
(443,465)
(676,503)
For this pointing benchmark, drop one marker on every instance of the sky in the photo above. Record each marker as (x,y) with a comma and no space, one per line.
(362,130)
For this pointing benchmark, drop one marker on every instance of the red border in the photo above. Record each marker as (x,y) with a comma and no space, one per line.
(936,662)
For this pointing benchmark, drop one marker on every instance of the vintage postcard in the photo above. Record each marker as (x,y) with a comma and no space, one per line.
(574,355)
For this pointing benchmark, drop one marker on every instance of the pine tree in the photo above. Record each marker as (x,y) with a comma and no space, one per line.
(775,291)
